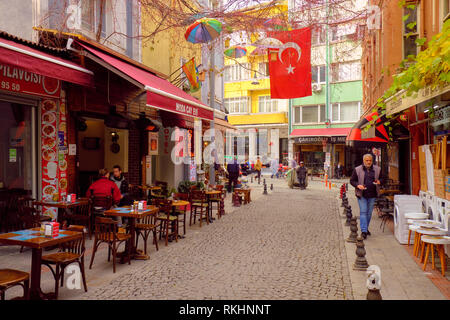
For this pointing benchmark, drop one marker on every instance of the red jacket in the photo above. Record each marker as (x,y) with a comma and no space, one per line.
(104,187)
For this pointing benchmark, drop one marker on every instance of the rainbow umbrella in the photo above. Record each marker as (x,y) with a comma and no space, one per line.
(235,52)
(203,30)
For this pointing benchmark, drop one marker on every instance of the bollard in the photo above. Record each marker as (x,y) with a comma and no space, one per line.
(271,186)
(360,262)
(329,184)
(353,231)
(259,180)
(373,283)
(251,179)
(344,200)
(349,215)
(264,181)
(265,189)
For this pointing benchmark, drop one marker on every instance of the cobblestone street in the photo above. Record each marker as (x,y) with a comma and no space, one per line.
(287,245)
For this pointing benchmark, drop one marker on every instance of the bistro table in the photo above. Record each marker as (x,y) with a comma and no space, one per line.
(33,239)
(246,193)
(209,195)
(61,205)
(179,203)
(127,212)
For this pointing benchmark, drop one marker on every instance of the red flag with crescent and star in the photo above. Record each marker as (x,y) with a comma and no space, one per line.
(290,64)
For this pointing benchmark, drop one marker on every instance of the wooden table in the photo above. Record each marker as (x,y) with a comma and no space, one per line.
(126,212)
(246,193)
(209,195)
(33,239)
(389,191)
(61,205)
(179,203)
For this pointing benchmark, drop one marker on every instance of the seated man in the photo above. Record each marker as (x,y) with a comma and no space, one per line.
(104,187)
(118,178)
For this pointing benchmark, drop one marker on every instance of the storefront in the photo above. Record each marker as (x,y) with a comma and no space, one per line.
(321,150)
(33,135)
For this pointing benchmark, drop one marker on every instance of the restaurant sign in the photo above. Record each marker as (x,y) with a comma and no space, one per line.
(400,101)
(18,80)
(320,140)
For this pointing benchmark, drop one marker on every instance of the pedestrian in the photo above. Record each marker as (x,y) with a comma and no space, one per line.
(274,168)
(301,175)
(366,179)
(338,170)
(258,167)
(119,179)
(233,174)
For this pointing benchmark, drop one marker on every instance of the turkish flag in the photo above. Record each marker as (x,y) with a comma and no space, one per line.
(290,65)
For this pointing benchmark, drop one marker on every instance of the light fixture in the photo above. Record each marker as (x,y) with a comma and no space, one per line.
(114,136)
(255,82)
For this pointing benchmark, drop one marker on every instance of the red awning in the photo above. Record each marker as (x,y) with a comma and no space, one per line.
(320,132)
(35,61)
(161,93)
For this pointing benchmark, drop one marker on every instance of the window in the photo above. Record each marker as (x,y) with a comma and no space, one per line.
(347,71)
(410,31)
(346,111)
(267,105)
(309,114)
(87,15)
(318,74)
(129,10)
(318,35)
(237,72)
(445,9)
(237,105)
(263,69)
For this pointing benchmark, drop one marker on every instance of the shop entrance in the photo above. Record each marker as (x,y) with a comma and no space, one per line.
(99,147)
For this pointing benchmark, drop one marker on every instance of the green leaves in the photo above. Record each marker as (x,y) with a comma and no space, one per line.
(421,41)
(411,25)
(405,17)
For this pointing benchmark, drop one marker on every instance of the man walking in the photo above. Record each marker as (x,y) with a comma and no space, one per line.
(233,174)
(301,175)
(258,167)
(366,180)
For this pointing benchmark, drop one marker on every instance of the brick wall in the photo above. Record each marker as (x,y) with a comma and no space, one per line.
(134,156)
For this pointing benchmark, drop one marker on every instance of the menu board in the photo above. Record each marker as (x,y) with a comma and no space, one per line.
(49,153)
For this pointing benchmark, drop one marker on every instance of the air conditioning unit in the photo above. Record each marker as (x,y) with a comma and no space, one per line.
(316,87)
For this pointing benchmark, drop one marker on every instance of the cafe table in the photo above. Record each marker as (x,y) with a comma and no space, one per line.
(246,193)
(60,205)
(127,212)
(179,203)
(209,195)
(33,239)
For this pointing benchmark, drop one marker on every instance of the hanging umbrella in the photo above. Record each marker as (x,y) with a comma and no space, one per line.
(268,43)
(203,30)
(235,52)
(259,51)
(275,23)
(380,135)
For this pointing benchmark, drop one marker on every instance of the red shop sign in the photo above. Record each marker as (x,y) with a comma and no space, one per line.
(16,79)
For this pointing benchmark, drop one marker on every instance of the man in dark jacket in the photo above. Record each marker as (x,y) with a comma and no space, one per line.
(366,180)
(233,174)
(118,178)
(301,175)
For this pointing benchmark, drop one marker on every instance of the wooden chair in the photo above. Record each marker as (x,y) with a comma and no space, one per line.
(199,206)
(99,205)
(69,252)
(144,227)
(106,231)
(167,221)
(81,215)
(163,186)
(218,200)
(181,211)
(10,278)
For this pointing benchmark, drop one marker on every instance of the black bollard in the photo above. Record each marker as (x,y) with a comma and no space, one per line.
(265,189)
(349,215)
(271,186)
(360,262)
(353,231)
(251,179)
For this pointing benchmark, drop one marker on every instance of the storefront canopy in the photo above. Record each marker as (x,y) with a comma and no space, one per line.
(35,61)
(320,132)
(161,93)
(375,135)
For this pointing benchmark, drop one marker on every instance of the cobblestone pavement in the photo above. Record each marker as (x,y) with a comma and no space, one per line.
(286,245)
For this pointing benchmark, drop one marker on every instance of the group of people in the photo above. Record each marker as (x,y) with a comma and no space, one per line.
(111,184)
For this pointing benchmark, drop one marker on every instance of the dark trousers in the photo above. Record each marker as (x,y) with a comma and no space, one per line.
(232,180)
(259,174)
(301,181)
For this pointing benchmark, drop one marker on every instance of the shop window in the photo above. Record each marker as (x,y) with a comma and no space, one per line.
(16,148)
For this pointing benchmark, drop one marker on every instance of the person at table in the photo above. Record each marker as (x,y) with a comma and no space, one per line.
(104,187)
(366,179)
(233,174)
(119,179)
(301,175)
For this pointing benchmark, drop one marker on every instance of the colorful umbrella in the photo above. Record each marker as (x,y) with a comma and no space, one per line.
(235,52)
(381,136)
(259,51)
(203,30)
